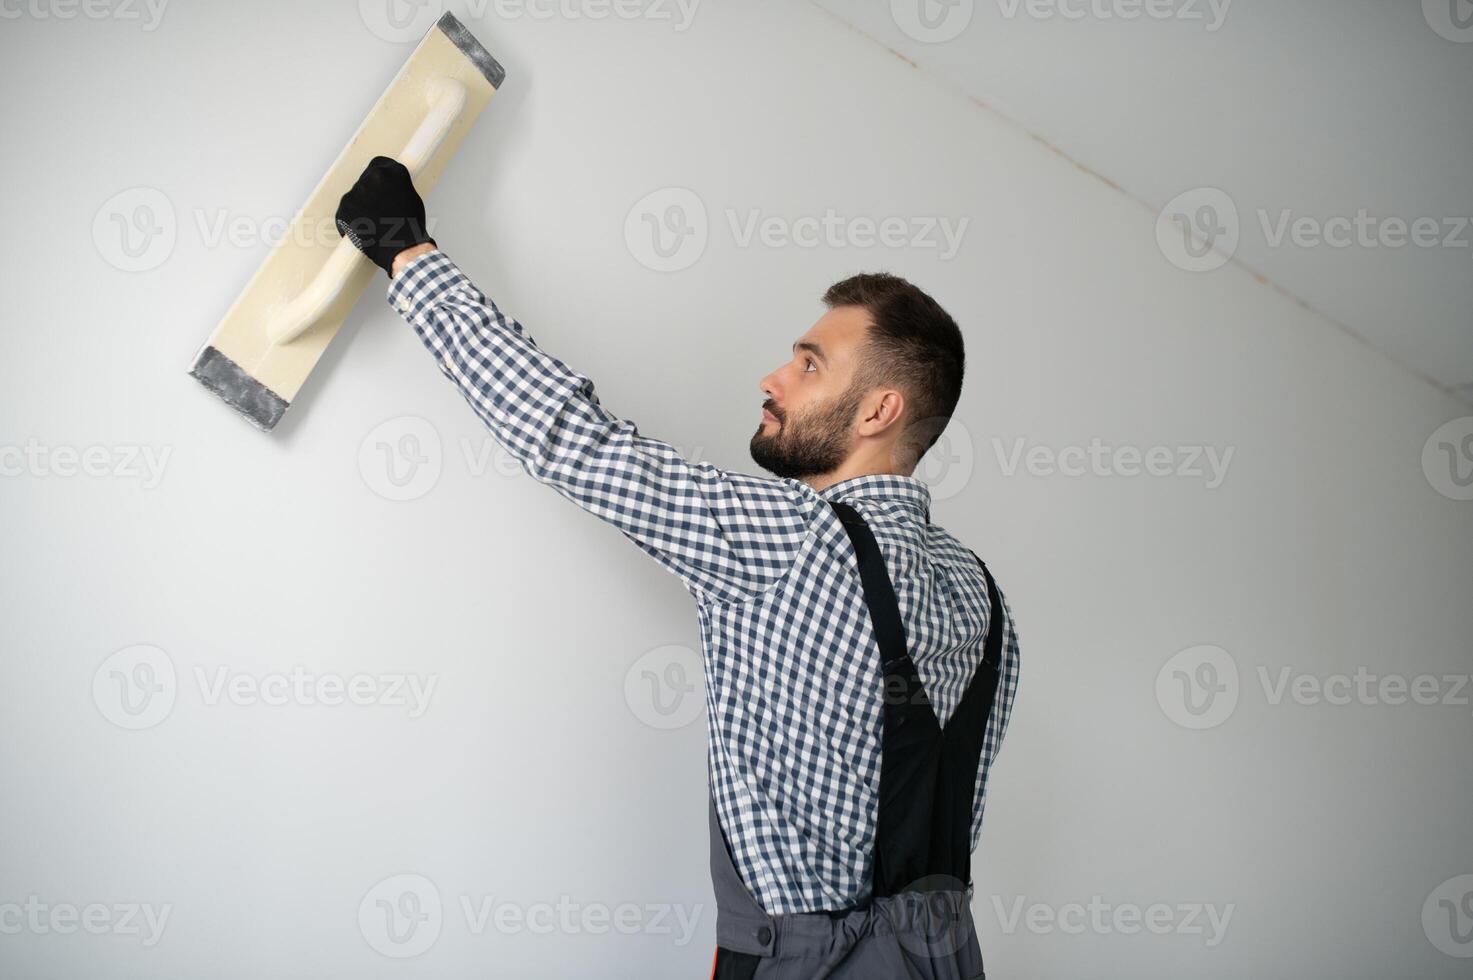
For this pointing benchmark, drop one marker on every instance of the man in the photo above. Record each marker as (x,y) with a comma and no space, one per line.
(843,814)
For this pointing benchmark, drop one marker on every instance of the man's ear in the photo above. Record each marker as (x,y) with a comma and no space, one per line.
(888,409)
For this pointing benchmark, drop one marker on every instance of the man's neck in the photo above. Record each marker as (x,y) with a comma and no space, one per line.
(823,481)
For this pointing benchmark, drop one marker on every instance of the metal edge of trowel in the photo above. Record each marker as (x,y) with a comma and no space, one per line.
(474,51)
(261,406)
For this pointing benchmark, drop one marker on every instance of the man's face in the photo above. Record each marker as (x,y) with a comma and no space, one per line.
(807,428)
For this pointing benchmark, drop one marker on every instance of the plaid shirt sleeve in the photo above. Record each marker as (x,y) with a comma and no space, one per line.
(726,536)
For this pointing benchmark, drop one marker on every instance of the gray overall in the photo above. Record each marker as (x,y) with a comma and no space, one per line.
(916,923)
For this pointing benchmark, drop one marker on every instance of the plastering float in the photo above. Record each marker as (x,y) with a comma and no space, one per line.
(276,330)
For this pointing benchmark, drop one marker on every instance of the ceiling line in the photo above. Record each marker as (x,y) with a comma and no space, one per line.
(1463,393)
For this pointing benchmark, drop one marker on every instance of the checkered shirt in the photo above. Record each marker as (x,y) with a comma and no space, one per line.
(793,685)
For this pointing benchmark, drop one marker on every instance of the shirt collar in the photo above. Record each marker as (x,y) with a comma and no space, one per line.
(908,491)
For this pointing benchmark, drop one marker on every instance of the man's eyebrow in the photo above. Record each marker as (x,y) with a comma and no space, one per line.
(813,348)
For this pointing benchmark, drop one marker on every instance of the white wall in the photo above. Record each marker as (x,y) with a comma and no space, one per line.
(1300,111)
(531,778)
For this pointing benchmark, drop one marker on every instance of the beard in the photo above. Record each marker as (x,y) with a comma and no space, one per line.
(811,444)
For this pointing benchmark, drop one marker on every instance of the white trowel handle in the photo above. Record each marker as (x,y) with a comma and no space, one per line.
(447,100)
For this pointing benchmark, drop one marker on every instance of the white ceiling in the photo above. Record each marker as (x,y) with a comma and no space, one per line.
(1314,108)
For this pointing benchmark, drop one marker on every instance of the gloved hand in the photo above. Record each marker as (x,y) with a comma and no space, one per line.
(382,214)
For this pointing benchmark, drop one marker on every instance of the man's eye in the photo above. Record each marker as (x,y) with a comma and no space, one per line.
(810,363)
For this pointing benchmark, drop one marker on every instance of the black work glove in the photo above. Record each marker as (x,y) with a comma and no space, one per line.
(382,214)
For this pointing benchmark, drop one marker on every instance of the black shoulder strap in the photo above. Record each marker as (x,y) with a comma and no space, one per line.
(962,743)
(928,775)
(911,741)
(879,593)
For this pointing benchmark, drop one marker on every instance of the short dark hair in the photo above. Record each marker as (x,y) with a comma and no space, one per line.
(913,345)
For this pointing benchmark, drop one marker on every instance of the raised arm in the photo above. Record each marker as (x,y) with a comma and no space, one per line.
(726,536)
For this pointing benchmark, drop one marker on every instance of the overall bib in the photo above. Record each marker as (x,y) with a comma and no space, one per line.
(917,922)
